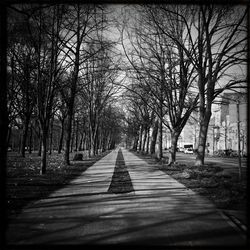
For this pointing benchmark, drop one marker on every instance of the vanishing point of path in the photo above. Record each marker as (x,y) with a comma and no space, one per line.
(157,210)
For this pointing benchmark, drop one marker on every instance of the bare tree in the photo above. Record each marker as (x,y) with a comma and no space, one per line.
(25,100)
(83,22)
(154,136)
(61,115)
(217,49)
(144,114)
(111,127)
(133,123)
(100,86)
(21,54)
(62,56)
(166,71)
(3,110)
(44,28)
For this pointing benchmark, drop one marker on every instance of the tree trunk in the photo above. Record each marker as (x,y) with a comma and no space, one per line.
(85,141)
(96,144)
(51,136)
(154,137)
(200,155)
(73,136)
(81,142)
(174,140)
(76,134)
(135,143)
(148,139)
(34,139)
(44,152)
(103,141)
(140,138)
(73,88)
(112,146)
(30,140)
(160,140)
(40,146)
(144,139)
(24,136)
(68,138)
(109,141)
(91,145)
(61,138)
(19,141)
(103,146)
(9,135)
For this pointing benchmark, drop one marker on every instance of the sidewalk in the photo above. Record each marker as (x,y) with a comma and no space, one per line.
(160,211)
(188,218)
(59,219)
(229,168)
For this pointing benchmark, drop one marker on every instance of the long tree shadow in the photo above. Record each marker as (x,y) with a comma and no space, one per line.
(121,182)
(132,234)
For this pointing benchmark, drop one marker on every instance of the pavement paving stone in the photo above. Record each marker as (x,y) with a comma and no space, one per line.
(160,211)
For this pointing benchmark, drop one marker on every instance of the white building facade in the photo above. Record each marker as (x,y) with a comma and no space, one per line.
(222,132)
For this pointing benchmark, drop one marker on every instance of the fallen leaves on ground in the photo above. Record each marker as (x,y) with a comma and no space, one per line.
(25,184)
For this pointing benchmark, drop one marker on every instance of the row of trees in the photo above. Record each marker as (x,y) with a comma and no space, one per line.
(181,58)
(62,68)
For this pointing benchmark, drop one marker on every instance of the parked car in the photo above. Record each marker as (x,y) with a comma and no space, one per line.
(226,153)
(181,149)
(234,153)
(188,151)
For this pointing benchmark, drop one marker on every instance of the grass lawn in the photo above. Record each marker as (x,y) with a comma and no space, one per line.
(24,184)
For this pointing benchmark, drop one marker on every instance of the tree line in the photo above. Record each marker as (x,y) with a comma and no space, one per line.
(180,58)
(62,70)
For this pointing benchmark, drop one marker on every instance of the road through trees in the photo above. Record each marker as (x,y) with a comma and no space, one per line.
(77,76)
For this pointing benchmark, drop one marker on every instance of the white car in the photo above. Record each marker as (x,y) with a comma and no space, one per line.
(188,151)
(181,149)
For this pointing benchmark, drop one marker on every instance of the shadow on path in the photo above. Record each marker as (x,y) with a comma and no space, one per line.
(121,182)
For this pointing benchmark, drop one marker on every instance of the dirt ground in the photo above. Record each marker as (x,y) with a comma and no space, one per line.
(24,183)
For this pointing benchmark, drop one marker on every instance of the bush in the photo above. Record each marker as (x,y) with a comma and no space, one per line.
(78,157)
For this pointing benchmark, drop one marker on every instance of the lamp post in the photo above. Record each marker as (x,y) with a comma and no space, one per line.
(243,142)
(213,140)
(215,126)
(238,132)
(237,101)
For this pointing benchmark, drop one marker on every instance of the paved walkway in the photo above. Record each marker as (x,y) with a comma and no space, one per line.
(160,211)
